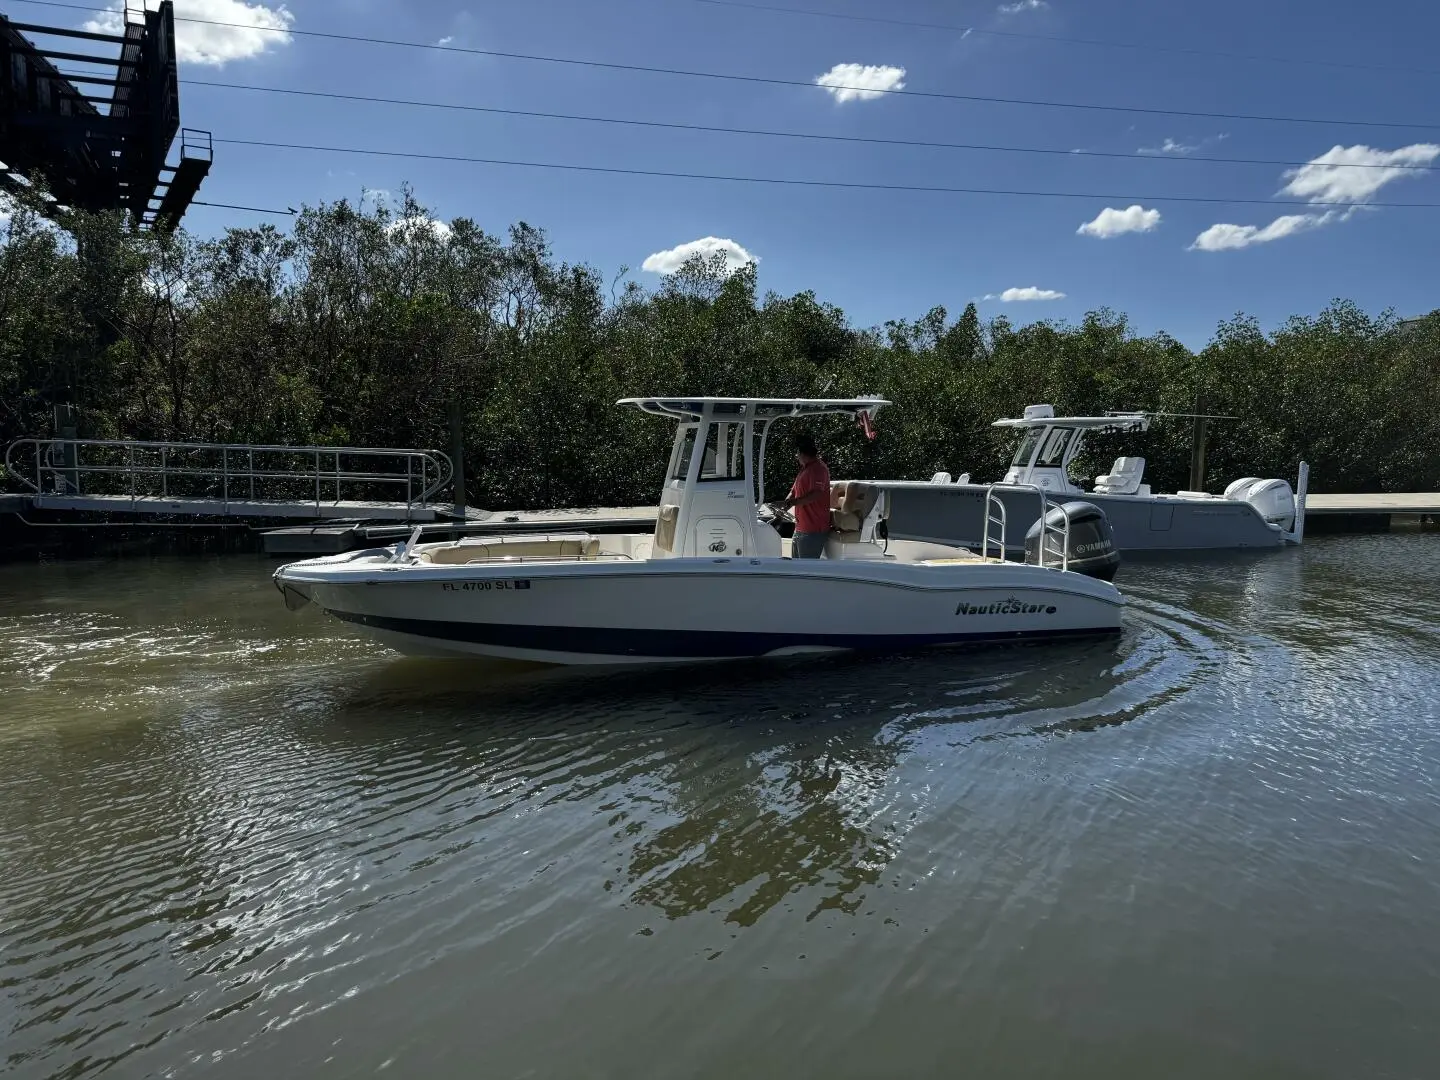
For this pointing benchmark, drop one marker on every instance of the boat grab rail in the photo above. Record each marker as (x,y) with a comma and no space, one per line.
(1047,529)
(484,559)
(993,519)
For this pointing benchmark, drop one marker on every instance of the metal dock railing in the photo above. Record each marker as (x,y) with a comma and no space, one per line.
(231,480)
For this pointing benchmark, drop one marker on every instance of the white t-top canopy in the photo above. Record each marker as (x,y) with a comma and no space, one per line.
(754,408)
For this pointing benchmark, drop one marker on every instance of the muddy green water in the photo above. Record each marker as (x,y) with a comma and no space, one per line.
(240,842)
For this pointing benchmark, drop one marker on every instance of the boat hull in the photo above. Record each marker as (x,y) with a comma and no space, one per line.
(955,514)
(682,610)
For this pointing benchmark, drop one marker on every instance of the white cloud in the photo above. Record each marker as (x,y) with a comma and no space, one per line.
(1170,146)
(861,82)
(446,40)
(1010,296)
(1333,177)
(1022,5)
(409,227)
(667,262)
(252,29)
(1111,222)
(1234,237)
(1175,146)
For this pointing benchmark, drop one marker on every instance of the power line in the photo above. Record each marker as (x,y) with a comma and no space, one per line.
(677,126)
(1058,38)
(781,181)
(769,81)
(912,23)
(287,212)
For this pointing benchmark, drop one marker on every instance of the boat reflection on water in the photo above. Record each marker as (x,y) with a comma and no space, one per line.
(737,788)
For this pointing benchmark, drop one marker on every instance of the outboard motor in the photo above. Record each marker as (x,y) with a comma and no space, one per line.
(1092,542)
(1273,500)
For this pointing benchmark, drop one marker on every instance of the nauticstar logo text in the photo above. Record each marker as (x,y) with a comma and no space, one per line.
(1005,607)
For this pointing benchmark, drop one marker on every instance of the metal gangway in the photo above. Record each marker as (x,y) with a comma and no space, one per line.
(231,480)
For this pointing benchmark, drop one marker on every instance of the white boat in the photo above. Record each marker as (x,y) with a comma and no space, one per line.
(1252,513)
(714,580)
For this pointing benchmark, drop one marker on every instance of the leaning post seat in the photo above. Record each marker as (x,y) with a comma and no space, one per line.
(1123,478)
(837,496)
(851,503)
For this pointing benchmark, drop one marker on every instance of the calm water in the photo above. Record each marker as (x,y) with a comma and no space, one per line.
(236,841)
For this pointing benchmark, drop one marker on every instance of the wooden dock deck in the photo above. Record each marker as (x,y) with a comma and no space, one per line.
(1401,502)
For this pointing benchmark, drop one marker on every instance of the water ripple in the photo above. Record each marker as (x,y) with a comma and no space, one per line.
(233,837)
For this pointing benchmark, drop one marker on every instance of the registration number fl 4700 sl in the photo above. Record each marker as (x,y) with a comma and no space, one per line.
(483,586)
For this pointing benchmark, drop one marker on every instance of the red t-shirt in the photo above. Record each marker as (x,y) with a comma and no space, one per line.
(813,517)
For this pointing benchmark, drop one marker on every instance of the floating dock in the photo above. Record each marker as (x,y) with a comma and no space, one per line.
(259,509)
(1405,502)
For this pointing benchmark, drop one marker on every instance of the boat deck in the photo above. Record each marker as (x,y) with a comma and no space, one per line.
(327,539)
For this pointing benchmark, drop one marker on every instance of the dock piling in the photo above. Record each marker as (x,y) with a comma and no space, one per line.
(1197,445)
(457,456)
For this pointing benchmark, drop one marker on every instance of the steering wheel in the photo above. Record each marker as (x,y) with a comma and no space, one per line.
(778,515)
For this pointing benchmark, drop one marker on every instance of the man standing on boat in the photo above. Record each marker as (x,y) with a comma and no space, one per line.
(810,499)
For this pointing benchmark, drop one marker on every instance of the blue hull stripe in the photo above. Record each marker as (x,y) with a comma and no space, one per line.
(611,641)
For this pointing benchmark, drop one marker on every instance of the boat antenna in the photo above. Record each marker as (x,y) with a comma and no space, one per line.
(1170,415)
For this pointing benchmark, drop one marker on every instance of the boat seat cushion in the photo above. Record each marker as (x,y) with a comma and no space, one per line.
(665,527)
(1123,478)
(462,552)
(855,505)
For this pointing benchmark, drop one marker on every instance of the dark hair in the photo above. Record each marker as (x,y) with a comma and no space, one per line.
(805,443)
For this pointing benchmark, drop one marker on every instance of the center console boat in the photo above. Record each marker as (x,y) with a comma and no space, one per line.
(1251,513)
(715,580)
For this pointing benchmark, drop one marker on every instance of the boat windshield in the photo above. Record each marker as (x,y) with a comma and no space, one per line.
(1027,446)
(1053,452)
(1052,443)
(680,459)
(724,453)
(724,458)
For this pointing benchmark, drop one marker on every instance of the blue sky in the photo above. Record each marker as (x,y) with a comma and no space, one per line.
(877,254)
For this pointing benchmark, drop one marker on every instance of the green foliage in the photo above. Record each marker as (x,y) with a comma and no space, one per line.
(364,323)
